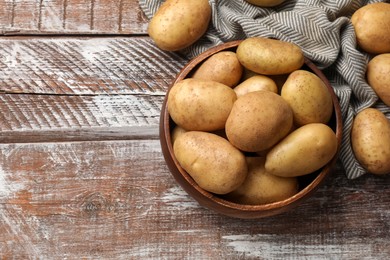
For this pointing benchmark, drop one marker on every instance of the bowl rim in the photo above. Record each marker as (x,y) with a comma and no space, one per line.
(219,204)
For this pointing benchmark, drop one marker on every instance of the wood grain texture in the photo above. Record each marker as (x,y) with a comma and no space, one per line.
(82,88)
(82,175)
(117,200)
(19,17)
(42,118)
(86,66)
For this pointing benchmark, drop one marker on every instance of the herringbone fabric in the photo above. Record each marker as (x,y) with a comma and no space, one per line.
(323,30)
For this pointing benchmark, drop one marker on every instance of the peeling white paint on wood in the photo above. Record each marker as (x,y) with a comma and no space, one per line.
(7,187)
(86,66)
(282,246)
(175,198)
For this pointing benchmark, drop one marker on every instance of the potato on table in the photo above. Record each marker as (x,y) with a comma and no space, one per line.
(378,76)
(179,23)
(370,138)
(372,27)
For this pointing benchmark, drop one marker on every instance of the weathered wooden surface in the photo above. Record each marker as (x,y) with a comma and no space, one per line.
(71,17)
(81,170)
(82,88)
(117,199)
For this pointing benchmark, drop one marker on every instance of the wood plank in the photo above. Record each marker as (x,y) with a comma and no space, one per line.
(78,15)
(6,8)
(82,88)
(26,9)
(44,118)
(23,17)
(117,200)
(86,66)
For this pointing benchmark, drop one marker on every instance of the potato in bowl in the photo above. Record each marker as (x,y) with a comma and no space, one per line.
(301,185)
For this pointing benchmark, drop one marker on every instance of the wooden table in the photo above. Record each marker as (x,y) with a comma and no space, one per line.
(81,170)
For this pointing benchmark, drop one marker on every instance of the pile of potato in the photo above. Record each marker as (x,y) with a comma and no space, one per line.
(250,121)
(370,136)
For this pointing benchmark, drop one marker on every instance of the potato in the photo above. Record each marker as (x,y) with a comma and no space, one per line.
(260,187)
(265,3)
(308,97)
(370,139)
(269,56)
(378,76)
(201,105)
(255,83)
(258,120)
(176,132)
(213,163)
(222,67)
(179,23)
(304,151)
(372,27)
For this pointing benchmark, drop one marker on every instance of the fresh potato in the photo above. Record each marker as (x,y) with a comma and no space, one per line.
(260,187)
(213,163)
(269,56)
(304,151)
(222,67)
(202,105)
(179,23)
(378,76)
(372,27)
(256,83)
(370,139)
(308,97)
(258,120)
(265,3)
(176,132)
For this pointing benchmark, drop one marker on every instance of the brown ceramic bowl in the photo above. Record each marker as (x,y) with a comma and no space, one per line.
(308,183)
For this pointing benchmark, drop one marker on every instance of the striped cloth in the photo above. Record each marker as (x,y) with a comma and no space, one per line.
(324,32)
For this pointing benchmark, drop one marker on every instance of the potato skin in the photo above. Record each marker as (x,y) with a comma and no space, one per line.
(265,3)
(222,67)
(201,105)
(176,132)
(255,83)
(261,187)
(304,151)
(370,138)
(269,56)
(258,120)
(371,24)
(213,163)
(179,23)
(378,76)
(308,98)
